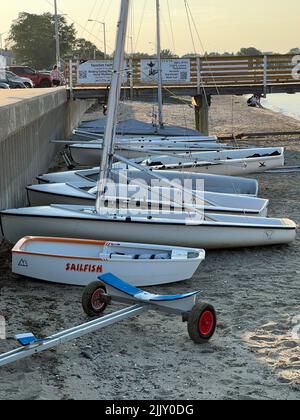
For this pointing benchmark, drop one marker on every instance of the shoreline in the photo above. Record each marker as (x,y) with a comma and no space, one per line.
(256,293)
(278,103)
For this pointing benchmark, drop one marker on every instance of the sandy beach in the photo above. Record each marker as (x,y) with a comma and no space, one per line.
(256,292)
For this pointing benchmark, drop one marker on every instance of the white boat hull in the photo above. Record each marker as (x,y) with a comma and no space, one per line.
(235,168)
(76,263)
(226,232)
(48,194)
(213,183)
(230,163)
(91,154)
(81,135)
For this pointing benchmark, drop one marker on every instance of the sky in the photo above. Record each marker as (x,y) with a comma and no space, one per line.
(222,25)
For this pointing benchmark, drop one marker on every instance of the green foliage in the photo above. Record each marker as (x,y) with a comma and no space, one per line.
(249,51)
(86,50)
(294,51)
(191,55)
(141,55)
(168,54)
(33,39)
(165,54)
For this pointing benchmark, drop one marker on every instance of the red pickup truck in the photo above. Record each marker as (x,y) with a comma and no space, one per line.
(39,79)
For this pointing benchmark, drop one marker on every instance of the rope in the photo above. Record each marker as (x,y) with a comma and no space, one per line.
(90,16)
(141,23)
(171,25)
(201,44)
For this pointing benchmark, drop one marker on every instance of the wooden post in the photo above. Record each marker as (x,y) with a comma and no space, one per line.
(71,79)
(265,75)
(131,78)
(71,74)
(201,104)
(198,75)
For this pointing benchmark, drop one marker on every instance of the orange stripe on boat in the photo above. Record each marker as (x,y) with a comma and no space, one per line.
(23,241)
(60,256)
(18,247)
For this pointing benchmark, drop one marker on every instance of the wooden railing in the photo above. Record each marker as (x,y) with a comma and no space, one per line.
(205,71)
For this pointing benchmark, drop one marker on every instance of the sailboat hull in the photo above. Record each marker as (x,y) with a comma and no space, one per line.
(51,221)
(213,183)
(79,262)
(231,163)
(48,194)
(235,168)
(90,154)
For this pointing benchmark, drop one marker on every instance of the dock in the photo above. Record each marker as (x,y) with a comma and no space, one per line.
(200,78)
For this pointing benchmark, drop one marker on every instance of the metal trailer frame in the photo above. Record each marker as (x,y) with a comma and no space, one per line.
(114,289)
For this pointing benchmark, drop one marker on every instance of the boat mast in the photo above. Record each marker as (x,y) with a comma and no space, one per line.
(113,103)
(159,66)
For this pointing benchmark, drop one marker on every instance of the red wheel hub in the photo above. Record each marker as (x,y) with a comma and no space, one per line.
(97,300)
(206,323)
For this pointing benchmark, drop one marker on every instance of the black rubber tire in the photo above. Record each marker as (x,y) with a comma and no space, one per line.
(194,319)
(45,84)
(27,85)
(87,299)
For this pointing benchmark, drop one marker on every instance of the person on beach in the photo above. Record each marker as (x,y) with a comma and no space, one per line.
(254,101)
(57,77)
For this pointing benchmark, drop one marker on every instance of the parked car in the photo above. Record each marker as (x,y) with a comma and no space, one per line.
(13,81)
(39,79)
(11,76)
(4,85)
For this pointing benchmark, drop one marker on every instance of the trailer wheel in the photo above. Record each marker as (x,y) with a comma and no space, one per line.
(202,323)
(93,301)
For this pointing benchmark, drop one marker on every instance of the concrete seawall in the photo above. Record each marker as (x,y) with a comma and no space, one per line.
(29,119)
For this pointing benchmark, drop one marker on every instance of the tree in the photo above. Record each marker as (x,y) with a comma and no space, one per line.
(294,51)
(168,54)
(249,51)
(212,54)
(140,55)
(191,55)
(227,54)
(33,39)
(86,50)
(165,54)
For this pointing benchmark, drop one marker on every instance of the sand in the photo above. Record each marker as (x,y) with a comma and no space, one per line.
(256,292)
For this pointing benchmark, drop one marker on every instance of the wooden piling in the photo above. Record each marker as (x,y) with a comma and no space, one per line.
(201,105)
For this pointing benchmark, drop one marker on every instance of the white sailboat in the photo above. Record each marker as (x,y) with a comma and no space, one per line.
(213,183)
(79,262)
(166,228)
(139,196)
(90,153)
(188,228)
(80,134)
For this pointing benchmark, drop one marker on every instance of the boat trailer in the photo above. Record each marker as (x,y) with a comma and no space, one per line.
(200,317)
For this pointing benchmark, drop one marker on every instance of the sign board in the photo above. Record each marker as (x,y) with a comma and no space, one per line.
(173,71)
(98,73)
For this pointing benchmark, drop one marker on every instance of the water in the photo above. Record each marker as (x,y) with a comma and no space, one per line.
(285,104)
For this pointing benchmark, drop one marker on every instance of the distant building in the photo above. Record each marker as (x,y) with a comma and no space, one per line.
(2,61)
(7,58)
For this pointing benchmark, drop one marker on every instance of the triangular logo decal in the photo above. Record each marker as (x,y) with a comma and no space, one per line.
(23,263)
